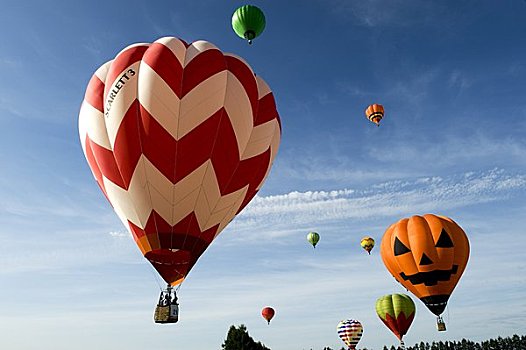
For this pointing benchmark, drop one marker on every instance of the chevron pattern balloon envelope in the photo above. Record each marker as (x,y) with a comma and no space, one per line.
(180,137)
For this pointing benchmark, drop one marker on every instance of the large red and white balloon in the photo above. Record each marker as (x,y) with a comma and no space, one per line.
(180,137)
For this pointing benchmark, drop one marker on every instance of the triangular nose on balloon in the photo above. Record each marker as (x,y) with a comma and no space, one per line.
(180,137)
(425,260)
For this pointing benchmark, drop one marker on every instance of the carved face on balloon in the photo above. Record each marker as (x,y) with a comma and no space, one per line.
(427,255)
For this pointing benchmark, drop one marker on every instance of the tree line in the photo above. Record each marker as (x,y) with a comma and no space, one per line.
(239,339)
(515,342)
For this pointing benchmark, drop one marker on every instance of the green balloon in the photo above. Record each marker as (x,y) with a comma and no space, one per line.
(248,22)
(313,238)
(397,312)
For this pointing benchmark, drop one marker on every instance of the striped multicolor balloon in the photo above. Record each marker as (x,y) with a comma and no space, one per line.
(180,137)
(350,331)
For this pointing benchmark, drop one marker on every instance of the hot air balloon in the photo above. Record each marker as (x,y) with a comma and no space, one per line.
(248,22)
(427,255)
(367,243)
(313,238)
(180,137)
(268,313)
(350,332)
(397,312)
(375,113)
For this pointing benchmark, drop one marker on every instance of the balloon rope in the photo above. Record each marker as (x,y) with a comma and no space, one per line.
(155,276)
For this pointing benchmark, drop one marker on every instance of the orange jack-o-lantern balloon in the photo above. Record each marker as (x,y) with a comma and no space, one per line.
(427,255)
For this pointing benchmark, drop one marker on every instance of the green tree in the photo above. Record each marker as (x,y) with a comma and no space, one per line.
(239,339)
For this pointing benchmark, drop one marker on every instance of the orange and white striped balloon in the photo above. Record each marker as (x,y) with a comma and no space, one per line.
(180,137)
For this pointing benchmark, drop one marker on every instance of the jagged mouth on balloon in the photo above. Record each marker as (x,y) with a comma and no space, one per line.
(430,278)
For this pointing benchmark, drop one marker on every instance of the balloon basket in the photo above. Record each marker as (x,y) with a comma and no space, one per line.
(441,325)
(167,309)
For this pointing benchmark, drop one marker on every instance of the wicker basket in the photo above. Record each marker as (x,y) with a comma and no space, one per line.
(162,314)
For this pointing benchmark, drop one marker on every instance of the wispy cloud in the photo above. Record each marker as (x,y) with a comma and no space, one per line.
(10,63)
(392,157)
(336,169)
(412,86)
(94,46)
(516,68)
(178,24)
(119,234)
(9,109)
(454,150)
(380,13)
(266,217)
(25,198)
(394,198)
(459,80)
(64,250)
(416,88)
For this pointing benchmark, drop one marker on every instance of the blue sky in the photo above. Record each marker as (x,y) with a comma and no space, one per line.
(451,75)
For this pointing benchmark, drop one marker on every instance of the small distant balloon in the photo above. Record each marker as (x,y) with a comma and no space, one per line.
(367,243)
(350,332)
(268,313)
(313,238)
(248,22)
(375,113)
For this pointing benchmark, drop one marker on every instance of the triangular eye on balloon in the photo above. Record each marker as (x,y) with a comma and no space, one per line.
(444,241)
(400,248)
